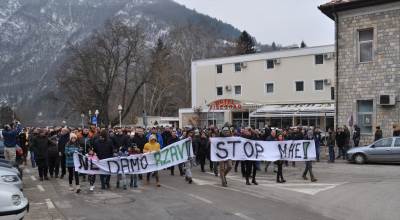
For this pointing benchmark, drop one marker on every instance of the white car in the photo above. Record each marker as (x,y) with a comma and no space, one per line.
(13,204)
(10,176)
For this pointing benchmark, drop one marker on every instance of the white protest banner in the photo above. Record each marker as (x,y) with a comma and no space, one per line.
(171,155)
(238,148)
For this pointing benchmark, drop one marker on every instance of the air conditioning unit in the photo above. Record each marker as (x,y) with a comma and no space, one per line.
(277,61)
(228,88)
(328,56)
(387,100)
(327,82)
(243,65)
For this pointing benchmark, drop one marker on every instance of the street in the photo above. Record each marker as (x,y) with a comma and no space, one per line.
(343,191)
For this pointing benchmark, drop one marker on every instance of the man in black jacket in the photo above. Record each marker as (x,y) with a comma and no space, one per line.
(40,145)
(174,138)
(103,147)
(62,141)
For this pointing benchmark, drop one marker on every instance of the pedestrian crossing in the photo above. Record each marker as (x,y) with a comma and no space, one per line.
(299,186)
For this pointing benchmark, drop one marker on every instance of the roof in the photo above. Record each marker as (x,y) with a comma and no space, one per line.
(268,55)
(333,6)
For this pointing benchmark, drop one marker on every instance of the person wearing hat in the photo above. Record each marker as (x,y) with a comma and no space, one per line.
(154,132)
(225,166)
(152,146)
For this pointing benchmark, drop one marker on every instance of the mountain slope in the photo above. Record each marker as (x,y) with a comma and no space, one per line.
(34,35)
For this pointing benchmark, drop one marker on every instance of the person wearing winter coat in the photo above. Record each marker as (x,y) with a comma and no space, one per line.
(103,147)
(308,168)
(330,141)
(341,141)
(152,146)
(356,135)
(70,148)
(40,147)
(378,133)
(10,141)
(62,141)
(91,155)
(53,157)
(317,141)
(173,139)
(158,136)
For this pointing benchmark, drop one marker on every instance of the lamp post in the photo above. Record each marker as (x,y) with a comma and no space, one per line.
(97,115)
(120,118)
(82,117)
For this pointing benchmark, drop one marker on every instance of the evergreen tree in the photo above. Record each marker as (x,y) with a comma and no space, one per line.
(245,44)
(273,46)
(303,45)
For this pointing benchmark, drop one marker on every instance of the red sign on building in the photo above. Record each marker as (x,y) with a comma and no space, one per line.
(225,104)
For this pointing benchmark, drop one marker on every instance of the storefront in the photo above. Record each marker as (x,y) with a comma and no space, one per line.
(282,116)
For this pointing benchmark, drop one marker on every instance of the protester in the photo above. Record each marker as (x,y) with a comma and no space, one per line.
(225,166)
(317,141)
(24,144)
(173,139)
(330,141)
(133,177)
(152,146)
(70,148)
(103,147)
(10,134)
(53,156)
(62,141)
(340,141)
(308,168)
(250,166)
(40,146)
(279,163)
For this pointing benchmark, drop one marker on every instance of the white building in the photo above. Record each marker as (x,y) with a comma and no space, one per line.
(280,88)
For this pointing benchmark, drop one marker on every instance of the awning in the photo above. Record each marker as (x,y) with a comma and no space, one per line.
(301,110)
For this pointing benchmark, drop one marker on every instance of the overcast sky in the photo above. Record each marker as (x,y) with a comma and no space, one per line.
(283,21)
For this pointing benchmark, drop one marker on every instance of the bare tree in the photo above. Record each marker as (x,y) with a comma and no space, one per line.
(106,70)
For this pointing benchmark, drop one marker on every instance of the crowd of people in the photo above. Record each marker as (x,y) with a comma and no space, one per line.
(52,149)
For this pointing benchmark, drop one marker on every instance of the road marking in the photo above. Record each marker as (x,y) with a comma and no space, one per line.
(202,182)
(238,214)
(33,178)
(200,198)
(258,195)
(50,204)
(40,187)
(189,194)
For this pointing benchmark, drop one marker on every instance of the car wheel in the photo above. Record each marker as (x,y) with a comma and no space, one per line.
(359,159)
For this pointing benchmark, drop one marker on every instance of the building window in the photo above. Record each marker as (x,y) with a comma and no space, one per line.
(299,86)
(365,45)
(319,84)
(365,110)
(219,68)
(332,93)
(220,91)
(238,90)
(270,64)
(238,67)
(269,88)
(319,59)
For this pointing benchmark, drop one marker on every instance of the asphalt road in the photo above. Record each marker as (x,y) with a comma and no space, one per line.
(343,191)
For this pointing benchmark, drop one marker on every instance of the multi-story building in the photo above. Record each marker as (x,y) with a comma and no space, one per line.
(368,63)
(279,89)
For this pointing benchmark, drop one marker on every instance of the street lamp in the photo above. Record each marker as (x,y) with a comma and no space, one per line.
(120,118)
(82,117)
(97,114)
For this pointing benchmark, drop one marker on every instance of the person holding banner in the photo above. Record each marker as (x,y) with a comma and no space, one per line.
(152,146)
(279,163)
(103,147)
(225,166)
(250,166)
(173,139)
(91,155)
(70,148)
(308,169)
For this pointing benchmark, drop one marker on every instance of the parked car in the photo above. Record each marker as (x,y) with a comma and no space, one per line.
(13,203)
(11,177)
(383,150)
